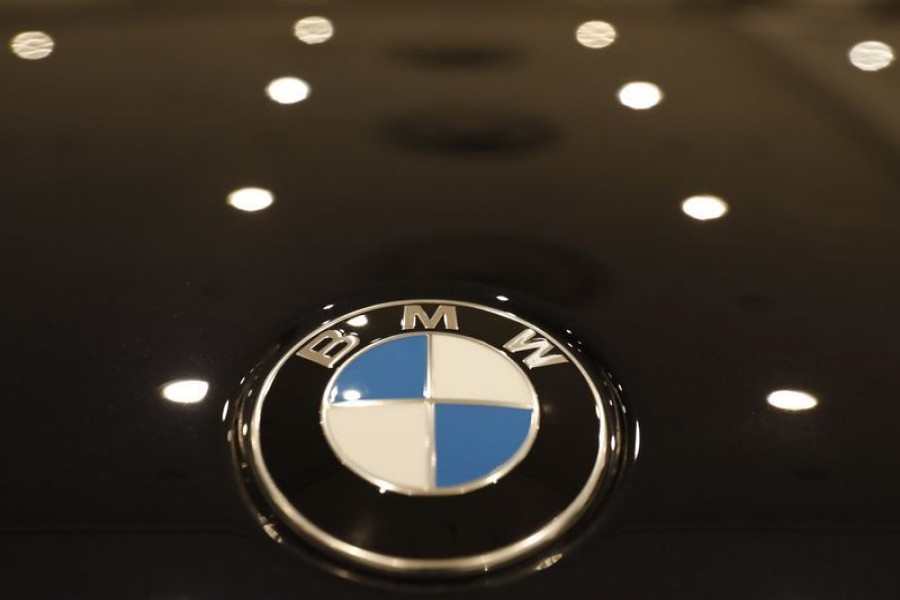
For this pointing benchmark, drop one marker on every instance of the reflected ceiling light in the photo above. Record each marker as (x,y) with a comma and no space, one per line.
(251,199)
(793,400)
(351,395)
(704,207)
(32,45)
(548,562)
(359,321)
(640,95)
(287,90)
(871,56)
(595,34)
(313,30)
(185,391)
(637,439)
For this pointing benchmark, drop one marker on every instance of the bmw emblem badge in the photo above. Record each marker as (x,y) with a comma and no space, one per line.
(428,437)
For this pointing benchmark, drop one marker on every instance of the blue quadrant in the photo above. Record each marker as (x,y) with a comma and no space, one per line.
(472,440)
(394,369)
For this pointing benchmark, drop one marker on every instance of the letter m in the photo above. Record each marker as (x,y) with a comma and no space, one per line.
(413,312)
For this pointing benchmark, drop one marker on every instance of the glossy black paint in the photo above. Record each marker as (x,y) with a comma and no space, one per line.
(123,269)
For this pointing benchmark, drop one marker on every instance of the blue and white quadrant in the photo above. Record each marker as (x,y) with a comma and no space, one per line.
(430,413)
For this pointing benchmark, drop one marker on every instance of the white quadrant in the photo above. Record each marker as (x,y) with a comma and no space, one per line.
(390,441)
(466,370)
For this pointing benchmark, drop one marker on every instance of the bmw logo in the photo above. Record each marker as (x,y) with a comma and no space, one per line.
(428,437)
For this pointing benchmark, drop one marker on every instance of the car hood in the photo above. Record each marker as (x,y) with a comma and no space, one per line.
(466,143)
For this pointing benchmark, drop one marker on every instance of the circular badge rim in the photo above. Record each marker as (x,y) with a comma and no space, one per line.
(470,486)
(484,561)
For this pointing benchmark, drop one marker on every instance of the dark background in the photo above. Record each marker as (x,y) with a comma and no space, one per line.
(476,142)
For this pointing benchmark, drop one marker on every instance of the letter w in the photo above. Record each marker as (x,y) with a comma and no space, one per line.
(540,357)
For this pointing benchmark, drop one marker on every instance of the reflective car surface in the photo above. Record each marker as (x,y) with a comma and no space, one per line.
(707,193)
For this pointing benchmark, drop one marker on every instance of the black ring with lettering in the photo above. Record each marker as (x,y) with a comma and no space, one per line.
(294,474)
